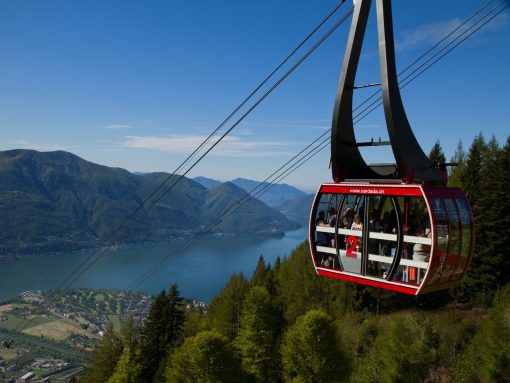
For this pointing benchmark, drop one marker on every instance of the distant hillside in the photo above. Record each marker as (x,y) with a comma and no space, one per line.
(209,183)
(298,209)
(273,196)
(58,201)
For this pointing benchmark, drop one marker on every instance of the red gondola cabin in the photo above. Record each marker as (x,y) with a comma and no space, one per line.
(408,238)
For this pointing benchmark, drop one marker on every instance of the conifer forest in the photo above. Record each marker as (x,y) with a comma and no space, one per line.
(283,323)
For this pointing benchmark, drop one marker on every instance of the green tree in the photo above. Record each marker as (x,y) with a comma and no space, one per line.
(174,318)
(301,289)
(152,345)
(504,205)
(196,321)
(488,216)
(256,339)
(225,309)
(473,169)
(436,154)
(160,334)
(105,357)
(456,173)
(495,341)
(204,358)
(127,369)
(405,349)
(312,352)
(488,357)
(263,275)
(129,333)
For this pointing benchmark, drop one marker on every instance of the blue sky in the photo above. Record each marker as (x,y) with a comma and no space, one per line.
(138,84)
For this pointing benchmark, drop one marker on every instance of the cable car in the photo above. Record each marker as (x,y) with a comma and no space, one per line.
(411,238)
(393,226)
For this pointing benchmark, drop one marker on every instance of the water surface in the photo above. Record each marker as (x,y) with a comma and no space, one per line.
(200,271)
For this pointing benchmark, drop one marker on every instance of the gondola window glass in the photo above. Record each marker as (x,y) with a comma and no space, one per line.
(441,230)
(465,217)
(350,230)
(325,220)
(382,237)
(454,242)
(417,240)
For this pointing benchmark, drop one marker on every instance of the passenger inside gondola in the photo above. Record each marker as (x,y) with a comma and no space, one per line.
(357,225)
(421,252)
(343,224)
(322,239)
(374,227)
(386,246)
(332,216)
(329,261)
(349,214)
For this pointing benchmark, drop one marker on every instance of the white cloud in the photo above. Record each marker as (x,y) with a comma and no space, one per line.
(116,126)
(231,146)
(436,31)
(302,125)
(499,22)
(427,33)
(246,132)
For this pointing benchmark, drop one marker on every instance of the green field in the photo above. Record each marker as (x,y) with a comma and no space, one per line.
(9,354)
(115,321)
(43,343)
(13,323)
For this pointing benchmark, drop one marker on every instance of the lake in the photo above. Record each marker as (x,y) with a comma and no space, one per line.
(200,271)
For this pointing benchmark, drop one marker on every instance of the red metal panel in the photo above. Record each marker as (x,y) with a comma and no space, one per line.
(401,288)
(373,189)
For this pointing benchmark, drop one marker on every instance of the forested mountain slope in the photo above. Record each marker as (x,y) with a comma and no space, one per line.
(56,201)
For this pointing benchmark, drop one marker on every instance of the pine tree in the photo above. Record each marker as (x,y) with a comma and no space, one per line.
(301,289)
(275,280)
(175,317)
(225,309)
(488,220)
(456,173)
(488,200)
(160,334)
(436,154)
(129,333)
(473,169)
(504,204)
(105,357)
(151,334)
(260,276)
(256,339)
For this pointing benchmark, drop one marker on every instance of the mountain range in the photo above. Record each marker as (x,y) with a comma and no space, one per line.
(274,194)
(288,200)
(52,201)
